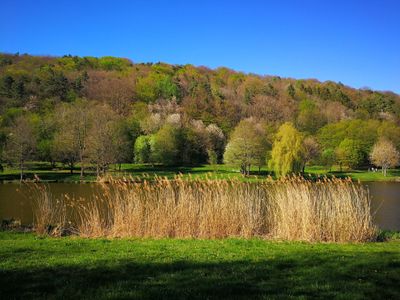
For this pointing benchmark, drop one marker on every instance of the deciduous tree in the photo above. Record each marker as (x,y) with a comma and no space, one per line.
(72,137)
(247,146)
(349,153)
(328,158)
(309,118)
(311,150)
(287,150)
(142,149)
(102,148)
(165,145)
(21,142)
(385,155)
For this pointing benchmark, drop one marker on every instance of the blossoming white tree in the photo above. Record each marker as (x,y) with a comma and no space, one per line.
(385,155)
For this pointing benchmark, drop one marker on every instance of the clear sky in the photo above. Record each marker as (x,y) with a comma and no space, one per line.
(355,42)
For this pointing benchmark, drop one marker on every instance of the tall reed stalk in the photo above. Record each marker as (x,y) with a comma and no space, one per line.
(49,214)
(288,209)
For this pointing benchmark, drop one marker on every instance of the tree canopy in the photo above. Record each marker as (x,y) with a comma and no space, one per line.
(384,154)
(286,155)
(90,111)
(247,145)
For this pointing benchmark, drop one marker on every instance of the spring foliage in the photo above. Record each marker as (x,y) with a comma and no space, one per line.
(247,146)
(65,97)
(385,155)
(286,154)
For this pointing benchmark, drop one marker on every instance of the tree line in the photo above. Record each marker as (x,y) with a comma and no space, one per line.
(289,151)
(102,111)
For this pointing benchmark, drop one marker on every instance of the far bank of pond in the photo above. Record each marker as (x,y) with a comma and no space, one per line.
(15,202)
(47,173)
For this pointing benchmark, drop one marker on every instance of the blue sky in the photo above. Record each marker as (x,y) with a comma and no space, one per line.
(355,42)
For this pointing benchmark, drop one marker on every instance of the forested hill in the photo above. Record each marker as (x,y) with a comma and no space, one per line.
(221,96)
(145,97)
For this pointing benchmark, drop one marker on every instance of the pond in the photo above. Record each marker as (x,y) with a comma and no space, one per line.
(15,202)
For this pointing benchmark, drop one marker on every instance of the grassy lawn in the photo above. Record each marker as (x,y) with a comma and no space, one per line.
(46,173)
(362,175)
(73,268)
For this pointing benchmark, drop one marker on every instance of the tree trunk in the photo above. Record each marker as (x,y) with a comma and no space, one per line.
(82,170)
(21,175)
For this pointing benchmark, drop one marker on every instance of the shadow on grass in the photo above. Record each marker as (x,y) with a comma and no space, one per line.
(159,169)
(195,169)
(306,275)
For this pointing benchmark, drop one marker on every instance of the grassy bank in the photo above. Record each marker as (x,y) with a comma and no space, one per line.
(60,174)
(76,268)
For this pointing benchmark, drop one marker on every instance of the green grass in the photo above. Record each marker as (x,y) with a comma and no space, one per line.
(46,173)
(76,268)
(362,175)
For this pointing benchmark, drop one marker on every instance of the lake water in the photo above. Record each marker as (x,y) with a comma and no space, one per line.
(15,202)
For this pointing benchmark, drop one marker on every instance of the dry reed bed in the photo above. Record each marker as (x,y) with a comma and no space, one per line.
(289,209)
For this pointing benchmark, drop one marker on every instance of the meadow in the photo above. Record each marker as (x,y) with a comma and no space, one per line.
(75,268)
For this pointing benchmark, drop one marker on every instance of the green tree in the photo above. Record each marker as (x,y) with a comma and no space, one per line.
(113,63)
(349,153)
(46,126)
(126,133)
(56,84)
(247,146)
(391,132)
(377,103)
(287,150)
(212,157)
(365,132)
(328,158)
(165,146)
(18,90)
(6,84)
(291,91)
(309,118)
(156,86)
(142,149)
(192,146)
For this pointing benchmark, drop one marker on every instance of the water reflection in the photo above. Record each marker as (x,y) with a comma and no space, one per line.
(15,203)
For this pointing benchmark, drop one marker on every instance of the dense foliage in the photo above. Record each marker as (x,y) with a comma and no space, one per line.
(90,111)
